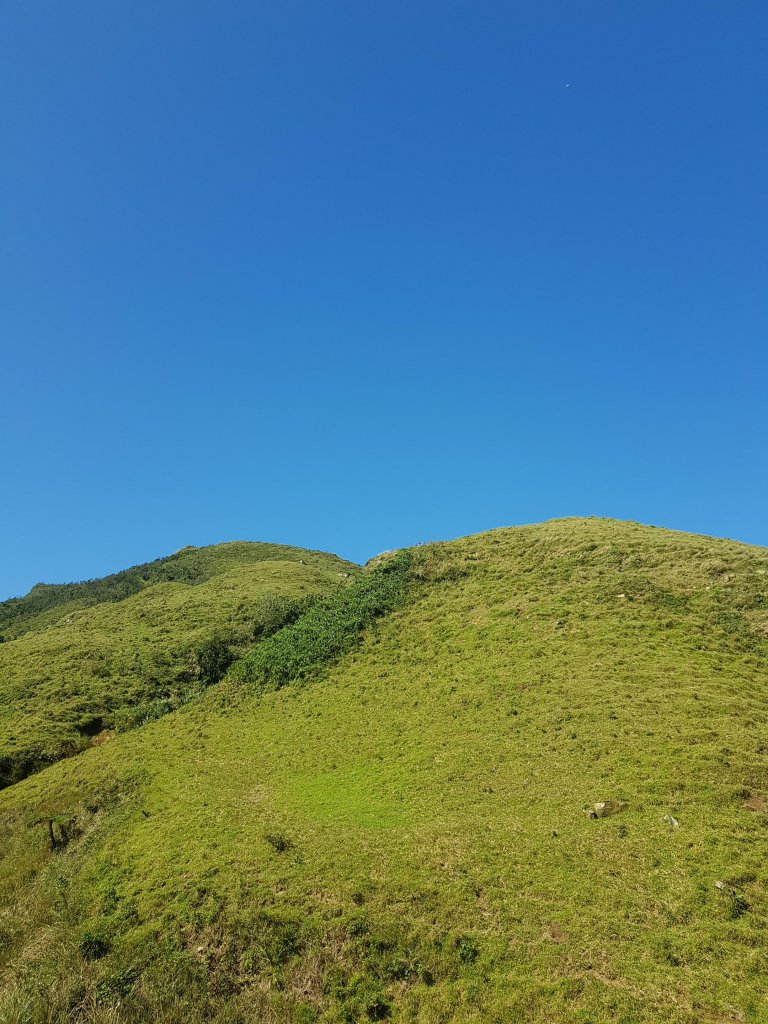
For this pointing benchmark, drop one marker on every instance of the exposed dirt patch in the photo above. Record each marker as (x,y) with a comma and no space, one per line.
(102,737)
(756,803)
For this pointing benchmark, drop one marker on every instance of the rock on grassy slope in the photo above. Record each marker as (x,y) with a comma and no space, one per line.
(401,832)
(84,657)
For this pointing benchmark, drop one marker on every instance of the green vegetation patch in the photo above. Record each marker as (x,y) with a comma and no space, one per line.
(330,627)
(72,682)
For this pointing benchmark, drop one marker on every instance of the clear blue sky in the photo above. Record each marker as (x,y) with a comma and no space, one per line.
(354,276)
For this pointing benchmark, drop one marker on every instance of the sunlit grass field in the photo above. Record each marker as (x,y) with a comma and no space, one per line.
(402,831)
(74,668)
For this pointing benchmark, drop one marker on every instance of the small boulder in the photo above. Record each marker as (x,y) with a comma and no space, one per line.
(605,808)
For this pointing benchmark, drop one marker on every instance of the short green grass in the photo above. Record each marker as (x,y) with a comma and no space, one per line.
(403,835)
(110,664)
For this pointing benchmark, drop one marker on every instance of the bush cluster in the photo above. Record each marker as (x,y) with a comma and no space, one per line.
(213,659)
(330,626)
(275,612)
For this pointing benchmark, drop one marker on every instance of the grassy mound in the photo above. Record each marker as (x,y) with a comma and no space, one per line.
(49,602)
(407,834)
(76,671)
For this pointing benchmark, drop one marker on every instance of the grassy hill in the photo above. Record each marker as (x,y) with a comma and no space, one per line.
(48,602)
(382,812)
(82,658)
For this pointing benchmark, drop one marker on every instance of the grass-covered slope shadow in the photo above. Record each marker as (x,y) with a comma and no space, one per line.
(329,628)
(202,666)
(119,665)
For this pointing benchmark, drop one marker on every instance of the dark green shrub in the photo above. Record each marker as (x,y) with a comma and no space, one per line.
(116,984)
(330,627)
(140,714)
(93,945)
(279,842)
(274,612)
(357,926)
(358,997)
(468,949)
(738,907)
(213,659)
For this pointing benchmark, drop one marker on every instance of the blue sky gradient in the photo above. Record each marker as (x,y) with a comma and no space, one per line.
(356,276)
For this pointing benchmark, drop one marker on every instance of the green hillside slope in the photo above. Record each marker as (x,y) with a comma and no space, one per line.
(402,831)
(47,602)
(113,656)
